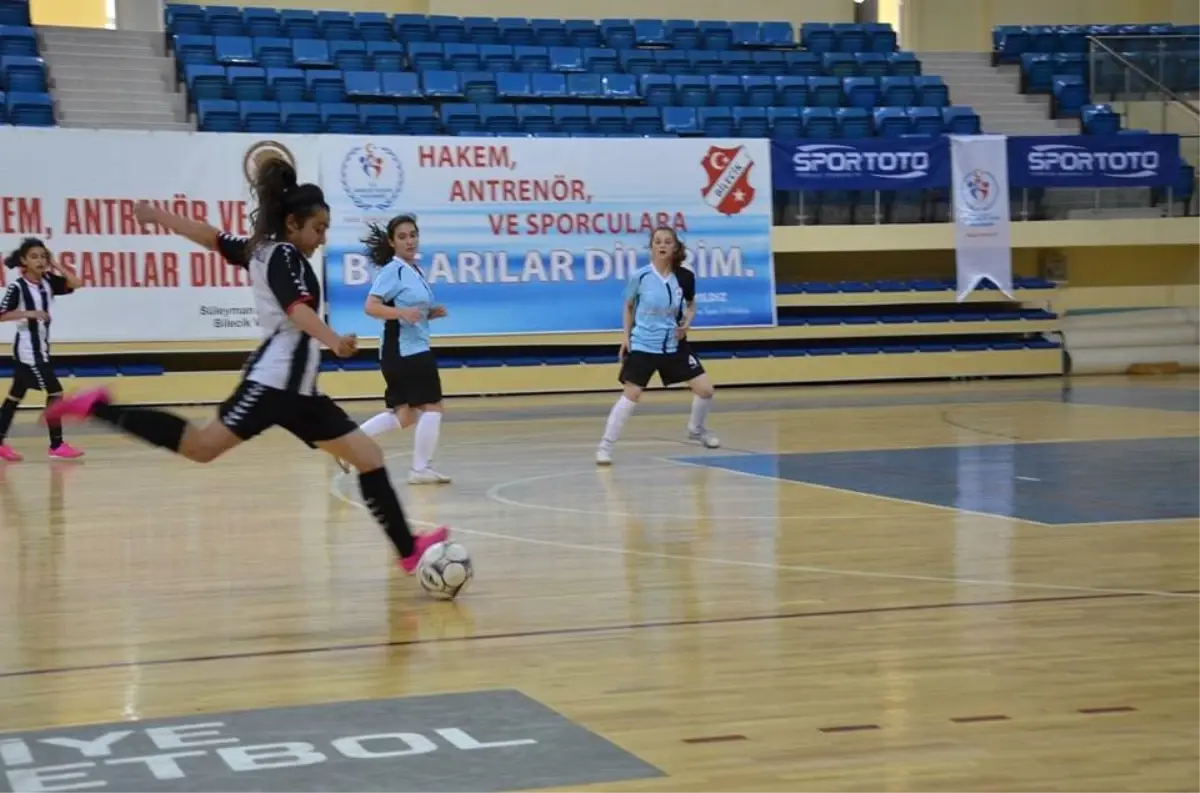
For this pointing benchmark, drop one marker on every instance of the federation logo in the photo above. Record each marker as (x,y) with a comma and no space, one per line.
(979,190)
(372,177)
(728,190)
(258,154)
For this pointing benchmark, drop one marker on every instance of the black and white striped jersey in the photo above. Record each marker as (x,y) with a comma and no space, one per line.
(32,342)
(280,278)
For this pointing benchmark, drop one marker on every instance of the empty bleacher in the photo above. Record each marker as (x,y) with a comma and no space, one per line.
(24,89)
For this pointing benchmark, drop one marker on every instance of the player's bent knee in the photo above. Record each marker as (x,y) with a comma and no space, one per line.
(632,392)
(705,391)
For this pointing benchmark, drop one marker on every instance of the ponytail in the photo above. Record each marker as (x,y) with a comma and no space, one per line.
(279,196)
(378,242)
(13,260)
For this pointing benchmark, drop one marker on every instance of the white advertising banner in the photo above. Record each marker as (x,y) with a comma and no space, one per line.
(76,190)
(982,234)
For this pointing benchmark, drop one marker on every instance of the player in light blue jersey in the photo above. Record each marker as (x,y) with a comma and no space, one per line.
(403,299)
(660,303)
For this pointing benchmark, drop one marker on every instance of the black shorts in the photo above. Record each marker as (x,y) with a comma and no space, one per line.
(676,367)
(254,408)
(36,377)
(412,380)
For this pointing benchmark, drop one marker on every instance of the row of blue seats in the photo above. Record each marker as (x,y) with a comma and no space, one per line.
(376,26)
(14,12)
(822,123)
(392,57)
(18,40)
(323,85)
(27,109)
(1010,42)
(1178,71)
(892,285)
(23,73)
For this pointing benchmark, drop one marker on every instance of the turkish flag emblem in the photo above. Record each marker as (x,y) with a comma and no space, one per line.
(728,190)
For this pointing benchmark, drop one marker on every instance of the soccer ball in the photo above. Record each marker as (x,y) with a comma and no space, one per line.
(446,570)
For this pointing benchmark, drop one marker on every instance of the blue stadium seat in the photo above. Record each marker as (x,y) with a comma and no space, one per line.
(311,54)
(680,120)
(336,25)
(29,109)
(23,73)
(410,28)
(683,34)
(1070,94)
(892,122)
(643,120)
(447,29)
(600,60)
(607,119)
(897,91)
(218,115)
(1071,64)
(926,121)
(363,85)
(854,122)
(757,91)
(223,20)
(904,64)
(585,86)
(426,55)
(584,33)
(819,122)
(325,85)
(1042,38)
(737,62)
(818,37)
(690,90)
(300,118)
(478,87)
(206,82)
(441,85)
(725,90)
(349,56)
(299,24)
(550,33)
(657,89)
(769,62)
(515,32)
(260,116)
(571,118)
(548,86)
(824,91)
(619,87)
(851,37)
(234,51)
(931,91)
(650,33)
(535,119)
(1099,120)
(715,122)
(247,83)
(373,26)
(960,120)
(716,35)
(860,92)
(1037,73)
(751,122)
(1009,43)
(785,122)
(386,56)
(839,64)
(746,34)
(188,49)
(872,64)
(287,85)
(636,61)
(461,119)
(791,91)
(261,23)
(565,59)
(777,34)
(419,120)
(339,118)
(497,58)
(531,58)
(513,86)
(671,62)
(880,37)
(704,62)
(802,64)
(618,34)
(273,53)
(181,18)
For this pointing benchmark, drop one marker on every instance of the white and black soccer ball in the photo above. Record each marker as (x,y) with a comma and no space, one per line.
(446,570)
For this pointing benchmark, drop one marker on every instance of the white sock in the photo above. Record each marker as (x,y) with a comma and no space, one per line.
(700,408)
(425,439)
(384,422)
(617,417)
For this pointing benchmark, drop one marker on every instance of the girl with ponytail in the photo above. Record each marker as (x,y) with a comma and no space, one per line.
(279,382)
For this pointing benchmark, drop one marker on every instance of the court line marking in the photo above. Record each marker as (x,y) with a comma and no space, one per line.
(336,492)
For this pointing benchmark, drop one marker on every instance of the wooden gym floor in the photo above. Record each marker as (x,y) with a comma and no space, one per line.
(987,586)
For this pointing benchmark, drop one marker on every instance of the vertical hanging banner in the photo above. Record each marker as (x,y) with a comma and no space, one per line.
(982,234)
(539,236)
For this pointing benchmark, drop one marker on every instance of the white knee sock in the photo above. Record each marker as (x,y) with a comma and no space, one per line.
(425,439)
(700,408)
(617,417)
(384,422)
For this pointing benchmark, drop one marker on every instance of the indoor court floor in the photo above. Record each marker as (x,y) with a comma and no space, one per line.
(956,586)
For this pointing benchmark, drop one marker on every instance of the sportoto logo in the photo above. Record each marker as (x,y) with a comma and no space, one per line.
(372,177)
(1067,159)
(836,160)
(979,190)
(728,190)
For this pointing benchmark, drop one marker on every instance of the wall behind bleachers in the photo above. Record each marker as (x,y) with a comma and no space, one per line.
(70,13)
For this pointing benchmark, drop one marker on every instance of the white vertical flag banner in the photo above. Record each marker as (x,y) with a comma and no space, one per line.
(982,235)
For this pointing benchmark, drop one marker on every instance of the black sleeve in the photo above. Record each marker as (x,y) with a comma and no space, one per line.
(58,284)
(11,299)
(687,284)
(286,276)
(236,250)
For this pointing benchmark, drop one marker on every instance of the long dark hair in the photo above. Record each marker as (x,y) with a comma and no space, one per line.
(279,197)
(379,239)
(680,251)
(13,260)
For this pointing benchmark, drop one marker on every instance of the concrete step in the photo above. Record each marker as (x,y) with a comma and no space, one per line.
(77,75)
(174,104)
(83,89)
(174,126)
(132,119)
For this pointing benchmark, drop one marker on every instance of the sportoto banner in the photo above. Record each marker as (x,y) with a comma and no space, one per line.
(868,164)
(539,236)
(76,189)
(1094,161)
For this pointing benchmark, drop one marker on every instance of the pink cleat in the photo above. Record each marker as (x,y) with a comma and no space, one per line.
(76,406)
(9,455)
(65,451)
(423,542)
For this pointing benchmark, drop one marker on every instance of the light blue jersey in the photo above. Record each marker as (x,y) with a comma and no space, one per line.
(656,304)
(401,286)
